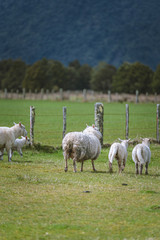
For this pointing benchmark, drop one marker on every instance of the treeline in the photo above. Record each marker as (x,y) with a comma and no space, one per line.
(53,75)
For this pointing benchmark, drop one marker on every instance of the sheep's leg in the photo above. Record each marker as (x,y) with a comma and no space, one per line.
(141,168)
(110,167)
(146,168)
(74,164)
(137,171)
(1,154)
(119,165)
(9,155)
(82,166)
(66,164)
(93,166)
(20,152)
(124,164)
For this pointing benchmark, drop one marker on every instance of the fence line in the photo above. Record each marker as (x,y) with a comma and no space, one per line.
(99,114)
(83,95)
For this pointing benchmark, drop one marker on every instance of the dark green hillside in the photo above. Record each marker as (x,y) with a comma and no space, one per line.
(88,30)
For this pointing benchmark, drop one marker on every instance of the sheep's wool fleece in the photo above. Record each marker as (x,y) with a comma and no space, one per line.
(82,145)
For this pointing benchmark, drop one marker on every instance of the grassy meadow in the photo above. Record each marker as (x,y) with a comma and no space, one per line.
(38,200)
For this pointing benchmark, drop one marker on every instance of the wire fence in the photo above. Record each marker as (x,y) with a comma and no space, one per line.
(49,128)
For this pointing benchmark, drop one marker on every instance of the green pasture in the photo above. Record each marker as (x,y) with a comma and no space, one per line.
(38,200)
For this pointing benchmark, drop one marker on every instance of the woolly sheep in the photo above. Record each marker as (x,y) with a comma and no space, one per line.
(8,136)
(141,155)
(118,151)
(19,143)
(81,146)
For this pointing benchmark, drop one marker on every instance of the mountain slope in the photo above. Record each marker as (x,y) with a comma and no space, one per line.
(87,30)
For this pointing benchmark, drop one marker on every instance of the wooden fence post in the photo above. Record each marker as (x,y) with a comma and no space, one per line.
(32,121)
(137,93)
(5,93)
(157,125)
(61,93)
(109,96)
(127,121)
(99,112)
(84,95)
(64,121)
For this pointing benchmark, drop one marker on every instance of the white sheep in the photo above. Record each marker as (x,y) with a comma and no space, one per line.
(81,146)
(118,151)
(141,155)
(8,137)
(19,143)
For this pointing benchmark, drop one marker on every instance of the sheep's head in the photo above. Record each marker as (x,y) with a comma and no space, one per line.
(22,128)
(124,142)
(146,141)
(27,140)
(93,130)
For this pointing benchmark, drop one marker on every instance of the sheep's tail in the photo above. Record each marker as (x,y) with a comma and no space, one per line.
(67,147)
(113,153)
(139,156)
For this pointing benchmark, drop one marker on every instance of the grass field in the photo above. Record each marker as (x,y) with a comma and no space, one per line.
(38,200)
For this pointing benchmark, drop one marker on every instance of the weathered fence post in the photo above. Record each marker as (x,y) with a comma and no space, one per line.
(84,95)
(32,121)
(5,93)
(61,93)
(157,124)
(64,120)
(99,112)
(137,93)
(109,96)
(127,121)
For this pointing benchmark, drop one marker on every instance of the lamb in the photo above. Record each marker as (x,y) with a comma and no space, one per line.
(19,143)
(8,137)
(81,146)
(118,151)
(141,155)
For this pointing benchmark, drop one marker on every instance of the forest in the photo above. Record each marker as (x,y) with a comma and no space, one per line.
(53,75)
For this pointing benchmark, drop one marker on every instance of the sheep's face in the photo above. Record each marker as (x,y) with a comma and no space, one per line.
(27,140)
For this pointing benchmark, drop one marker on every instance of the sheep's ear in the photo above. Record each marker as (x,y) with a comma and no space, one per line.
(20,124)
(128,139)
(14,123)
(141,138)
(120,139)
(93,125)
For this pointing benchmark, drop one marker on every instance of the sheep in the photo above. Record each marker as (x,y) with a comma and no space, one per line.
(118,151)
(8,136)
(141,155)
(19,143)
(81,146)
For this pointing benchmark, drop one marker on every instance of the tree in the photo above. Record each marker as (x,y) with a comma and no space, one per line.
(46,74)
(156,80)
(102,75)
(132,77)
(12,73)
